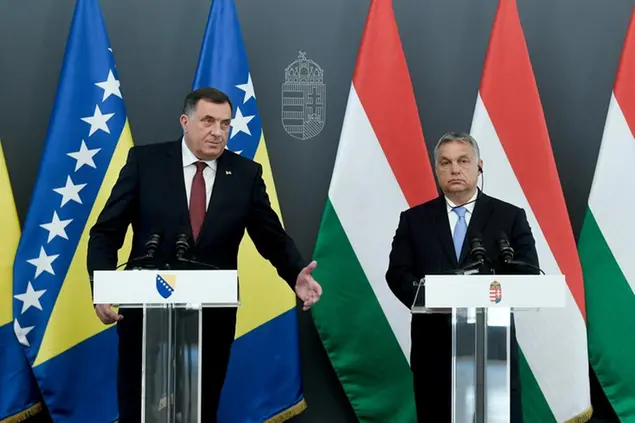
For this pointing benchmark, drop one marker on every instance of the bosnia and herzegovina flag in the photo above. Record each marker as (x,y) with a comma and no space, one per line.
(19,396)
(263,380)
(73,354)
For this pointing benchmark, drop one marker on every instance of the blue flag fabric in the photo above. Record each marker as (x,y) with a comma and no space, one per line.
(72,353)
(264,381)
(19,395)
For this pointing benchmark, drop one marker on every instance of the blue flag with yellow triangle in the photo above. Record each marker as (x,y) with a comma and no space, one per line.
(19,395)
(263,380)
(72,353)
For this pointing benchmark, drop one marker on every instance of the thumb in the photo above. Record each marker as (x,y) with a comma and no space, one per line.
(311,267)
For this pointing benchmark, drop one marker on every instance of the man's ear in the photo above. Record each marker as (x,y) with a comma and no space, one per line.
(183,120)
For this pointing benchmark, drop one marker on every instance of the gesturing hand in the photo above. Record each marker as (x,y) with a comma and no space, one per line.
(306,288)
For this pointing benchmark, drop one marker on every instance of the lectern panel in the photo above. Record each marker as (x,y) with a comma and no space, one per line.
(157,365)
(171,365)
(481,375)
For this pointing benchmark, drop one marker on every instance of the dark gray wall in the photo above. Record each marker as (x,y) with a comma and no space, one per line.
(574,47)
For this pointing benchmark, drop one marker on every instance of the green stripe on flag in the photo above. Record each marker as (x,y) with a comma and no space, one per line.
(610,306)
(535,407)
(356,335)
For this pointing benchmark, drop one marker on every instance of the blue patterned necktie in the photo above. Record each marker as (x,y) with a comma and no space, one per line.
(460,229)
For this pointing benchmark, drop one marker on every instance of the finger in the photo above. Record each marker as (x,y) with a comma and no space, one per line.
(102,317)
(310,267)
(110,315)
(100,313)
(115,316)
(317,288)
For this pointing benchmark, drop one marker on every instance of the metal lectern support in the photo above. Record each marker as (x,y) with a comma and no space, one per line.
(480,355)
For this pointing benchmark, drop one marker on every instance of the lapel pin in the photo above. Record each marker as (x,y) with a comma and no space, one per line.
(228,172)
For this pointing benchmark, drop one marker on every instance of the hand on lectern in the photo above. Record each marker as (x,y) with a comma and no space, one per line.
(106,314)
(307,289)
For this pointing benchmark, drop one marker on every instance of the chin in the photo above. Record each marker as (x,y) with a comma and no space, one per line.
(213,152)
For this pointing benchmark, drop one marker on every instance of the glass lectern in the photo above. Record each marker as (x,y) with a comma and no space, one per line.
(172,303)
(481,307)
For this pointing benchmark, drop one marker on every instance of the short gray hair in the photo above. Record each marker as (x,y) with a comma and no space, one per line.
(457,137)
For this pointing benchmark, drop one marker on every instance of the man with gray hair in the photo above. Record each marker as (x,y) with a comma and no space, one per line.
(434,238)
(195,188)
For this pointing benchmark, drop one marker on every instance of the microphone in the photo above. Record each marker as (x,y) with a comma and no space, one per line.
(507,254)
(152,244)
(151,247)
(478,250)
(182,246)
(506,251)
(477,254)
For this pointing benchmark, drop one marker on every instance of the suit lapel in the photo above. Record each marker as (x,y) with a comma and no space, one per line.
(482,212)
(176,193)
(442,228)
(220,191)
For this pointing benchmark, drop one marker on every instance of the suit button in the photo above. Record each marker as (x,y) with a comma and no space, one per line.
(193,257)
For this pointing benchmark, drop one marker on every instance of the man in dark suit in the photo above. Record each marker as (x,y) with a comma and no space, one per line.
(194,186)
(434,238)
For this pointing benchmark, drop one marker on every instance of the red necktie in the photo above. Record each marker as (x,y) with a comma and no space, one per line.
(197,200)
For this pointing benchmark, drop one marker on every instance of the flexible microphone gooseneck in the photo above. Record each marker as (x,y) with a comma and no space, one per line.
(506,253)
(151,246)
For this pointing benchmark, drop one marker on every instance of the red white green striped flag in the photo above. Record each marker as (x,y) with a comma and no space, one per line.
(519,167)
(382,168)
(606,246)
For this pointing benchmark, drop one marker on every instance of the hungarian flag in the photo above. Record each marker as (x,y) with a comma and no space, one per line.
(519,167)
(606,246)
(382,167)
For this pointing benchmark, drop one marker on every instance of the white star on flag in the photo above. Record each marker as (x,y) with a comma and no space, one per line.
(239,123)
(43,263)
(31,298)
(56,227)
(110,86)
(84,156)
(70,191)
(98,121)
(21,333)
(248,88)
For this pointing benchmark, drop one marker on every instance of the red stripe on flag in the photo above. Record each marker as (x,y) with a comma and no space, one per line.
(510,95)
(383,85)
(625,81)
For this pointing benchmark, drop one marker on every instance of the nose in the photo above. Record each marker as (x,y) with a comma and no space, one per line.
(455,168)
(215,129)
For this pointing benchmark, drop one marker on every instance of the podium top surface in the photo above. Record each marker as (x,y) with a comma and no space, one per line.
(136,288)
(491,291)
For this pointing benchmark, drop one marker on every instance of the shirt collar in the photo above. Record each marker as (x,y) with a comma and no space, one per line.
(189,158)
(469,206)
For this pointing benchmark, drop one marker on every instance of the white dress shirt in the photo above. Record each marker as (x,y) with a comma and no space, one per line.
(453,217)
(189,170)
